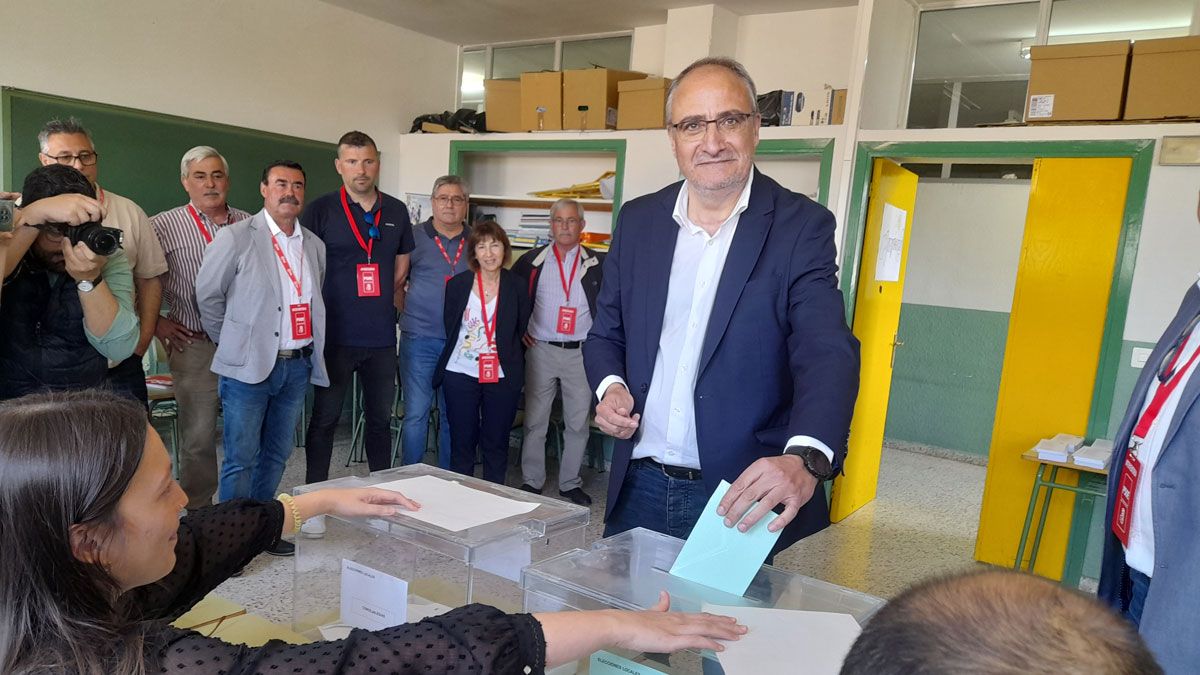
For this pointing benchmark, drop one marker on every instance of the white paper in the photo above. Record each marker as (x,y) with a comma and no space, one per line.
(419,608)
(372,600)
(453,506)
(891,243)
(506,558)
(820,639)
(1041,106)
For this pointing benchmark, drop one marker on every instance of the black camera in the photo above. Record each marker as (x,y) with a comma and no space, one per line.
(102,240)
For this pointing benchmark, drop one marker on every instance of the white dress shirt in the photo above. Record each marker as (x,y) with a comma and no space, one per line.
(543,322)
(668,423)
(293,249)
(1139,554)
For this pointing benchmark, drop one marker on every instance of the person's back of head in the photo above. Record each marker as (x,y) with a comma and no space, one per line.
(993,623)
(53,180)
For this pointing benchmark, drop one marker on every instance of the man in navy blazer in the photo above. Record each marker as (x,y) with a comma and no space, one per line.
(719,349)
(1151,577)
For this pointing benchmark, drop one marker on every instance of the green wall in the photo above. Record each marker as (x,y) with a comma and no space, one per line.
(946,377)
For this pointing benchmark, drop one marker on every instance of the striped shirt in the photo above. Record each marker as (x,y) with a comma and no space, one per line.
(184,247)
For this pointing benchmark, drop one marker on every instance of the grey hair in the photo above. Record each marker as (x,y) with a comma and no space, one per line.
(71,125)
(451,179)
(722,62)
(565,202)
(200,153)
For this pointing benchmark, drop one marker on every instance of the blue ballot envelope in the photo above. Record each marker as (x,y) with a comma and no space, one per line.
(723,557)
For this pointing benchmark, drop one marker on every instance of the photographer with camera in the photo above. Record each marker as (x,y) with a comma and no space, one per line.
(68,291)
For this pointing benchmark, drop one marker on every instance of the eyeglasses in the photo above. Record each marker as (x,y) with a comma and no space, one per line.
(567,221)
(85,158)
(694,127)
(455,200)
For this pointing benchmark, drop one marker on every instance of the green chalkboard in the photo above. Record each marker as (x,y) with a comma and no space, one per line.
(140,151)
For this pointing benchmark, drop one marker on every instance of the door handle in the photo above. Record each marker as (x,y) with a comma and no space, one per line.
(896,342)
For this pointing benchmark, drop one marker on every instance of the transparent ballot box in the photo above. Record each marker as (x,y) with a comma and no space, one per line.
(628,570)
(377,572)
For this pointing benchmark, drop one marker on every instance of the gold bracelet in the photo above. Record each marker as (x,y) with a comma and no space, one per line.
(291,504)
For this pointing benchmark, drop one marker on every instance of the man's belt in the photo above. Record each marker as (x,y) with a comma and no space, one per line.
(680,472)
(295,353)
(565,345)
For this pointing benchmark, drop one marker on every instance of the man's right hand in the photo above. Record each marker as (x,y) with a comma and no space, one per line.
(614,413)
(72,209)
(173,335)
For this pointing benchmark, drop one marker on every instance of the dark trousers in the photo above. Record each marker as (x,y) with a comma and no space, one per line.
(480,414)
(1139,589)
(128,379)
(376,370)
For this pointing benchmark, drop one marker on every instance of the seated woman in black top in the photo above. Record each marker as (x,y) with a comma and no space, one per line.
(482,368)
(95,561)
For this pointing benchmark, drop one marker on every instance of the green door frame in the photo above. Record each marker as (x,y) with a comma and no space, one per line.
(804,147)
(1141,151)
(459,150)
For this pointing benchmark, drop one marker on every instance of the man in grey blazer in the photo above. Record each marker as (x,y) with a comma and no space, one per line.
(259,294)
(1151,566)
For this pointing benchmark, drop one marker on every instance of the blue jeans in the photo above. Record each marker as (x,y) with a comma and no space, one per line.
(259,428)
(653,500)
(1139,587)
(418,361)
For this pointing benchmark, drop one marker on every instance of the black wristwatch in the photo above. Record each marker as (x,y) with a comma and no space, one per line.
(814,460)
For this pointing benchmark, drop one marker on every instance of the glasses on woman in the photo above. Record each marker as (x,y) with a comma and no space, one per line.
(693,128)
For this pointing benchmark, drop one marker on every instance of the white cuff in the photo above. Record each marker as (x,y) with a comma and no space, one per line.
(608,382)
(810,442)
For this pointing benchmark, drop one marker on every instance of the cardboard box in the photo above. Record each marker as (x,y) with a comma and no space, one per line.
(837,109)
(1164,79)
(1077,82)
(642,103)
(541,91)
(502,102)
(595,88)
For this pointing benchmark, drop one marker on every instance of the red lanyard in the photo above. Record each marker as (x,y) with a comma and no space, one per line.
(453,265)
(489,333)
(567,283)
(199,225)
(1163,392)
(298,283)
(370,244)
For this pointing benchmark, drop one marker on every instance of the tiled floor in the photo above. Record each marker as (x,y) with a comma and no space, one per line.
(921,524)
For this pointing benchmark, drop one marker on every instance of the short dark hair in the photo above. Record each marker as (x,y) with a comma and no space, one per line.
(285,163)
(995,622)
(356,139)
(71,125)
(486,229)
(53,180)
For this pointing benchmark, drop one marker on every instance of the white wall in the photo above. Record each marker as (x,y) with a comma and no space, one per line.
(648,48)
(800,51)
(965,245)
(298,67)
(889,64)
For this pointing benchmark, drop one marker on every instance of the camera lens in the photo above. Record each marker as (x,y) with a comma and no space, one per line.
(102,240)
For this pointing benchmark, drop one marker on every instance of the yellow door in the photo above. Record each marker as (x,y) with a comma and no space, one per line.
(1072,228)
(876,320)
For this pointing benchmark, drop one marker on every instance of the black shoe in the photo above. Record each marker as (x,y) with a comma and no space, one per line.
(283,549)
(577,495)
(529,488)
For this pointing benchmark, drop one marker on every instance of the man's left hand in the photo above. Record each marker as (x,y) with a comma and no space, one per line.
(770,481)
(82,263)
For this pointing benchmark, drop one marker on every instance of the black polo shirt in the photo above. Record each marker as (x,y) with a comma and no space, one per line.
(352,321)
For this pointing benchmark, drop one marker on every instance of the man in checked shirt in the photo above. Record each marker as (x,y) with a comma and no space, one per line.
(184,233)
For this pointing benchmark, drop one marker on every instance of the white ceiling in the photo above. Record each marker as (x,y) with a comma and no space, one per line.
(470,22)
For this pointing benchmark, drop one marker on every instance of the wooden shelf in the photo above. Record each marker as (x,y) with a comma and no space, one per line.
(526,202)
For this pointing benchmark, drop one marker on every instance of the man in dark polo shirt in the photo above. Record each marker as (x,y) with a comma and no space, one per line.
(439,253)
(368,238)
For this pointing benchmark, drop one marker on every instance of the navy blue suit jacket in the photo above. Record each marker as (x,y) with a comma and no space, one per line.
(777,358)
